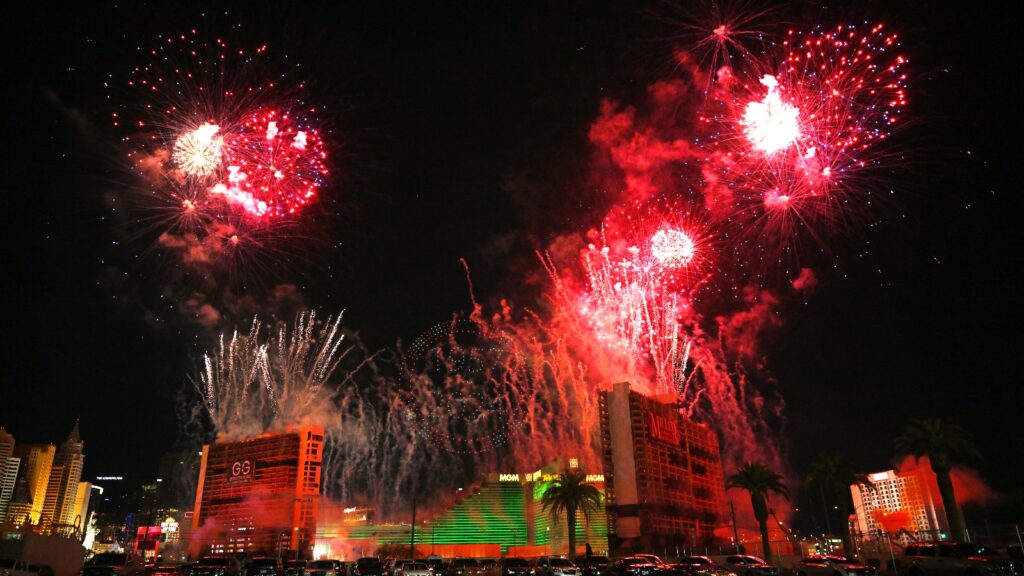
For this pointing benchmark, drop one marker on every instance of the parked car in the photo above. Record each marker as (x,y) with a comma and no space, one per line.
(394,566)
(488,566)
(556,566)
(635,566)
(416,569)
(463,567)
(324,568)
(160,570)
(114,564)
(745,565)
(818,565)
(216,566)
(653,558)
(700,566)
(593,566)
(515,567)
(368,566)
(264,566)
(953,559)
(294,567)
(436,565)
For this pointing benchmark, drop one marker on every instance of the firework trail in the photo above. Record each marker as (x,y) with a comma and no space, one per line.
(253,384)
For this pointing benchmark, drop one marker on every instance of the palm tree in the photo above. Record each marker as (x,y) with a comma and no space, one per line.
(568,493)
(942,442)
(838,474)
(759,481)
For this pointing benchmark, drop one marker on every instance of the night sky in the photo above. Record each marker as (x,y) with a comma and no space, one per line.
(442,115)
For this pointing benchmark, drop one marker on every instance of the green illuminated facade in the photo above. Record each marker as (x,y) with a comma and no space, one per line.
(504,509)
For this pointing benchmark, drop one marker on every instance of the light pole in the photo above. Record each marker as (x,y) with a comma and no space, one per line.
(735,533)
(412,534)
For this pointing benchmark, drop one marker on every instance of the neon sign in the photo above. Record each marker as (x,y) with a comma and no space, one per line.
(241,470)
(663,428)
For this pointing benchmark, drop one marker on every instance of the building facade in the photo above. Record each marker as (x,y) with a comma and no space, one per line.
(663,474)
(501,515)
(9,465)
(82,512)
(897,503)
(260,495)
(59,509)
(36,465)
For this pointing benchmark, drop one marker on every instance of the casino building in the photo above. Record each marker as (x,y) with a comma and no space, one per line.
(259,495)
(663,474)
(501,515)
(898,503)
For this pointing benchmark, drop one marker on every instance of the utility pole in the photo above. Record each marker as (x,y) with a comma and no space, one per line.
(735,533)
(828,525)
(412,534)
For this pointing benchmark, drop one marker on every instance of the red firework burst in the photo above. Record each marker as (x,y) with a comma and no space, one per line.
(794,139)
(274,166)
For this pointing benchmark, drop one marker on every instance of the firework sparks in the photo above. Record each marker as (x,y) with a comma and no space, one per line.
(198,152)
(672,248)
(218,143)
(253,384)
(631,311)
(274,166)
(771,124)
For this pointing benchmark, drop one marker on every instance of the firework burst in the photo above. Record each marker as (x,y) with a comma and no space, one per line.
(219,144)
(795,134)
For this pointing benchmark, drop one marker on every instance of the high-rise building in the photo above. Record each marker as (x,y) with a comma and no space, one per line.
(49,516)
(896,503)
(81,514)
(259,495)
(19,511)
(9,465)
(663,474)
(36,464)
(62,488)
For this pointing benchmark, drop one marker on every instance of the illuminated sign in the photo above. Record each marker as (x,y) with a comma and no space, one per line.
(241,470)
(880,476)
(508,477)
(574,463)
(110,477)
(595,478)
(663,428)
